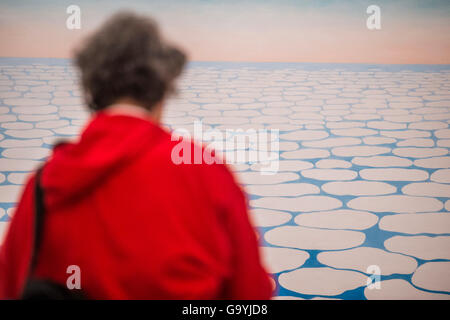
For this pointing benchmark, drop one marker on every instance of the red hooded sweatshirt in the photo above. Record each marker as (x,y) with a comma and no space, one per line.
(137,225)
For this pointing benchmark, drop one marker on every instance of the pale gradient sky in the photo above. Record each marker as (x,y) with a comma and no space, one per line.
(413,31)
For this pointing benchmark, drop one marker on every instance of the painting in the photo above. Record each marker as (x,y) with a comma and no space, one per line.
(356,95)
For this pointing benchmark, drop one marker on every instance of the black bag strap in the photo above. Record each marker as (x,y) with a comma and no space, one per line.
(39,211)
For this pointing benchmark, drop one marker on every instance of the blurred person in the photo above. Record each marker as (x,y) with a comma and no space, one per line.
(136,224)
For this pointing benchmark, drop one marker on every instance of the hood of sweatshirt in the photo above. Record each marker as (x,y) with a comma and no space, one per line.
(108,143)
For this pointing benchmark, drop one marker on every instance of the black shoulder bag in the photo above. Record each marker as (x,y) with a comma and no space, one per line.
(42,289)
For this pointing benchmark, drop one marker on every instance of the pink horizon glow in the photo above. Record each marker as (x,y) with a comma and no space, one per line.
(258,36)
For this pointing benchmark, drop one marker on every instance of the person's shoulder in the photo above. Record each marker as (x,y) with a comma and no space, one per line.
(183,151)
(192,155)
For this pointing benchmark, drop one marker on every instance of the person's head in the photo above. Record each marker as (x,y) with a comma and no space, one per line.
(127,60)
